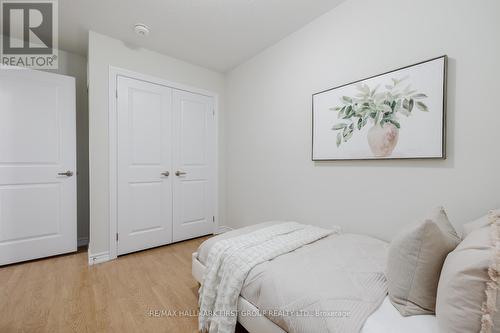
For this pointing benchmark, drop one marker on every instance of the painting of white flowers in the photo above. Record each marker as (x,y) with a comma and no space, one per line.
(396,115)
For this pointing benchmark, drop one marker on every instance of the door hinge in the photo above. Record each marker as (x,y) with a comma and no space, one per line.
(117,237)
(213,219)
(213,112)
(116,94)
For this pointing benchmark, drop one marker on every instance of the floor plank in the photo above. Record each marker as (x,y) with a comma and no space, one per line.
(64,294)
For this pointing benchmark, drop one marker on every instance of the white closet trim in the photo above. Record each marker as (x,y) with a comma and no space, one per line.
(114,72)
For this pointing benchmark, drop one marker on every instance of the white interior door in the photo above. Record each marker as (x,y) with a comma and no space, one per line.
(37,148)
(194,165)
(144,165)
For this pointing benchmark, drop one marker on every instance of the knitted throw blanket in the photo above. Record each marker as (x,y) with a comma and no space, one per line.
(229,262)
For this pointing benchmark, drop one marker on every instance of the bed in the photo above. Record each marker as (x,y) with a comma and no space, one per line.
(256,288)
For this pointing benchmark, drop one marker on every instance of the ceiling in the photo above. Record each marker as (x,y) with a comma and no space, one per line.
(216,34)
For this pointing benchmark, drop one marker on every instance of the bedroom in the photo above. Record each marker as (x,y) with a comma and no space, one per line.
(102,209)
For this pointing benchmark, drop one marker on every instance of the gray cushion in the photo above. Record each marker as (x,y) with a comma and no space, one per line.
(415,258)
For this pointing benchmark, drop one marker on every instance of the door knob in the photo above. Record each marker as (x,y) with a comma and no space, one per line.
(180,173)
(67,173)
(166,173)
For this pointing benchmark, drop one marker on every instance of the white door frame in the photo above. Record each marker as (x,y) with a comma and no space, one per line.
(114,73)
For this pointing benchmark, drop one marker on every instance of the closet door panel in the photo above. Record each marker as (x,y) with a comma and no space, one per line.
(194,165)
(144,155)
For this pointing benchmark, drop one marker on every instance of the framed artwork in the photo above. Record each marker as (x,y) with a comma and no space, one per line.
(400,114)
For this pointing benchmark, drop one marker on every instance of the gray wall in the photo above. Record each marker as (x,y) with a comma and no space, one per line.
(270,174)
(75,65)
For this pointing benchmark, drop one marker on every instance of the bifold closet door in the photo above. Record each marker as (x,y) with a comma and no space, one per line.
(194,165)
(37,165)
(144,164)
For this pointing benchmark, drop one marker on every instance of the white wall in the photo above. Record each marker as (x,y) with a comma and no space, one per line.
(103,52)
(75,65)
(270,174)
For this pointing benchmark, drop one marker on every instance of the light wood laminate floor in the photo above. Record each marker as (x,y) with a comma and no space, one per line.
(64,294)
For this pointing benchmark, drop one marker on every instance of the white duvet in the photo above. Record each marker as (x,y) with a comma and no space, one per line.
(339,277)
(229,262)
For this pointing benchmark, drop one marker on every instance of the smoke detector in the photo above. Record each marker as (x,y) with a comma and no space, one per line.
(141,29)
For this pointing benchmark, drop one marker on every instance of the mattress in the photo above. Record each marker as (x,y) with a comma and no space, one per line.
(385,319)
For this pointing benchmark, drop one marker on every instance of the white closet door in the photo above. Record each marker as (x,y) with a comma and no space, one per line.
(194,165)
(37,165)
(144,163)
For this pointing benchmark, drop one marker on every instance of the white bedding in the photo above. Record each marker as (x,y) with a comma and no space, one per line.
(387,319)
(230,261)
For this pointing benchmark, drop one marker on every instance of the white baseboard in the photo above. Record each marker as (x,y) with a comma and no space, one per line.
(222,229)
(83,241)
(98,258)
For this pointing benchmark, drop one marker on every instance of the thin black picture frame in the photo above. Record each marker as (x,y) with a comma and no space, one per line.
(444,129)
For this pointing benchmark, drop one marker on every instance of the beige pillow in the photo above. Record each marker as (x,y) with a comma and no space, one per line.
(414,263)
(468,287)
(476,224)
